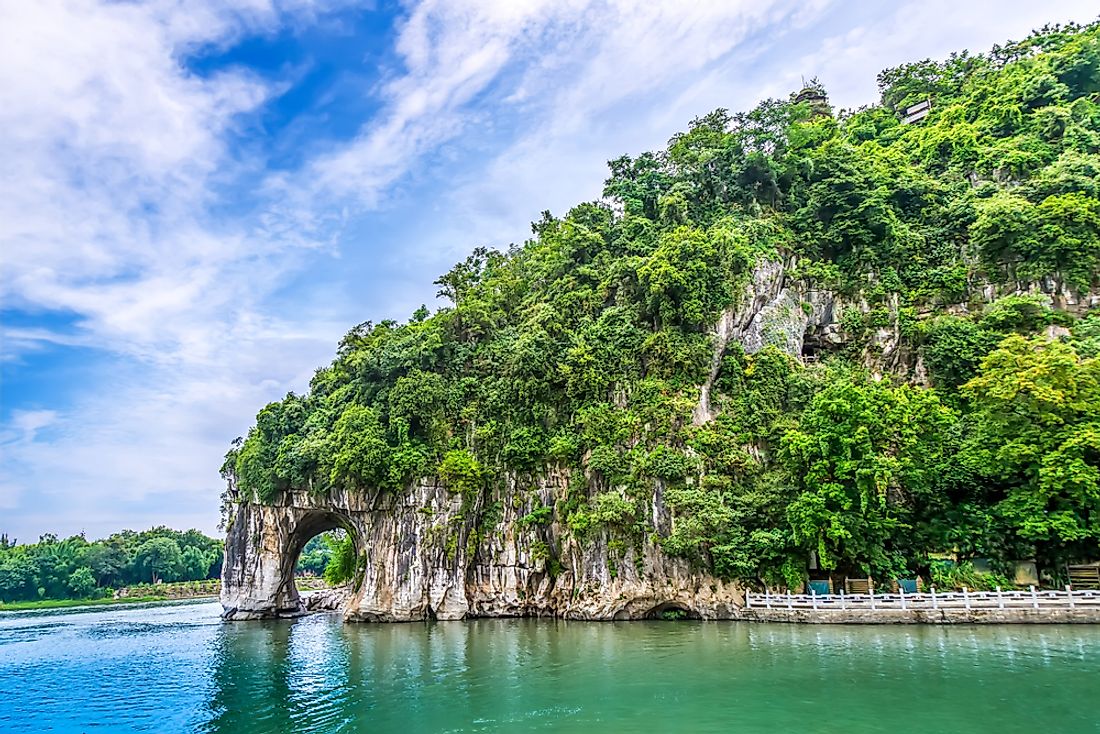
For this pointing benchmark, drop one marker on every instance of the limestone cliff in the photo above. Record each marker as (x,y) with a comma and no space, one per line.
(429,553)
(425,556)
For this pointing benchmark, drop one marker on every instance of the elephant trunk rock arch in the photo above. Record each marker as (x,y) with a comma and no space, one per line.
(262,548)
(424,555)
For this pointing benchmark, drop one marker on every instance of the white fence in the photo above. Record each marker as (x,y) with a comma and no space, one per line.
(1031,599)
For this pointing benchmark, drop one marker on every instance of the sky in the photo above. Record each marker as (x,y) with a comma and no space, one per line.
(198,199)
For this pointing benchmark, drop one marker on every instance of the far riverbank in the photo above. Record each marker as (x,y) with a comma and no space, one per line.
(146,594)
(23,606)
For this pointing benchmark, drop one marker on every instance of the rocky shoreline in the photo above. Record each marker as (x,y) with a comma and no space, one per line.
(326,600)
(427,557)
(424,562)
(337,599)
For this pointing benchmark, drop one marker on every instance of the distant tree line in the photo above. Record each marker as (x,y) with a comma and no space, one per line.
(329,555)
(315,556)
(75,568)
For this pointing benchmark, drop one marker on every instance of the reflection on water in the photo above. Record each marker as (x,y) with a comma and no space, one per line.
(178,668)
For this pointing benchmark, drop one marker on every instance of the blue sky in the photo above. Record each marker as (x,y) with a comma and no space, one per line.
(197,199)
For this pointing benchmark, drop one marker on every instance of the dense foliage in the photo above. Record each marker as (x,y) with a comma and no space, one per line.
(75,568)
(314,556)
(329,555)
(585,347)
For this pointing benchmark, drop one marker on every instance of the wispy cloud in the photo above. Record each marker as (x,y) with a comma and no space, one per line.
(450,52)
(631,76)
(113,156)
(469,75)
(109,147)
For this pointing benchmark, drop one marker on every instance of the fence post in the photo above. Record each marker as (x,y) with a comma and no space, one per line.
(966,598)
(871,593)
(901,590)
(1000,599)
(1034,598)
(843,601)
(1069,592)
(790,597)
(813,598)
(935,604)
(767,598)
(748,600)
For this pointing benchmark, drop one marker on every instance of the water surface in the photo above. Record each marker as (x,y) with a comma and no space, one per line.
(178,668)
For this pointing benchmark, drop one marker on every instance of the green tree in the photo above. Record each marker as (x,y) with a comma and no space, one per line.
(865,456)
(361,455)
(341,565)
(315,556)
(954,348)
(1037,435)
(81,583)
(160,558)
(107,562)
(194,564)
(17,577)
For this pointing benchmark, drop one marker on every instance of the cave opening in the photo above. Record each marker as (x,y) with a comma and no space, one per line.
(672,612)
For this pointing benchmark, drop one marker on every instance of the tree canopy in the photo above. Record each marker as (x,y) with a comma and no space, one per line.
(75,568)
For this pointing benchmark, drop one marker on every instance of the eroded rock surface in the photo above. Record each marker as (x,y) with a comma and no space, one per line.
(424,556)
(327,600)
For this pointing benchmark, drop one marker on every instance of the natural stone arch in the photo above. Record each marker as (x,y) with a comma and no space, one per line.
(262,549)
(424,554)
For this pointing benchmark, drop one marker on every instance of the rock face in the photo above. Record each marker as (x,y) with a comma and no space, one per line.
(422,557)
(262,548)
(326,600)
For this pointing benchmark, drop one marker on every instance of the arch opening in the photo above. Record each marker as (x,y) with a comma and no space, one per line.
(324,594)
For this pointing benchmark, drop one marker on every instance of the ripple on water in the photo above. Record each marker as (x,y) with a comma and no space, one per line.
(179,669)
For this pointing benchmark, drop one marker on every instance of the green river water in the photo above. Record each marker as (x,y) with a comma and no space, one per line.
(178,668)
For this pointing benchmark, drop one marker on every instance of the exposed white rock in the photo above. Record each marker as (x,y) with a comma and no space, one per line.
(327,600)
(774,310)
(764,288)
(419,562)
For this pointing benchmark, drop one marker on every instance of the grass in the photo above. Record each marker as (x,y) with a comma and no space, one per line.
(18,606)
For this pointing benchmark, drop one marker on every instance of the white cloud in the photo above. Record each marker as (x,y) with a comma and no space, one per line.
(585,82)
(633,77)
(19,434)
(109,146)
(591,55)
(850,61)
(113,154)
(450,51)
(159,433)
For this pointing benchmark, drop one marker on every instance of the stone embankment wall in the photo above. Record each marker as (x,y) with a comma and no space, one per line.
(924,616)
(175,590)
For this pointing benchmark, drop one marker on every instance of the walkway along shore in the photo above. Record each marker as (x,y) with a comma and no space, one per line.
(967,607)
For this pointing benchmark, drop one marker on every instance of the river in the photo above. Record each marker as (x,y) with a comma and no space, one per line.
(178,668)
